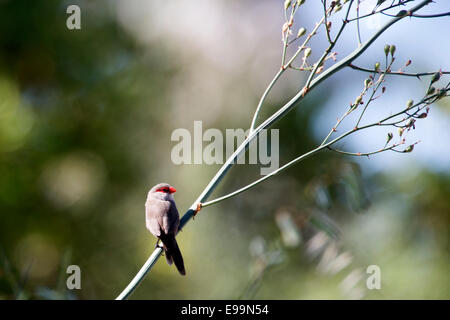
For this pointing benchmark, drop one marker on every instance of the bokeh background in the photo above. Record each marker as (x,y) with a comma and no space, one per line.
(86,118)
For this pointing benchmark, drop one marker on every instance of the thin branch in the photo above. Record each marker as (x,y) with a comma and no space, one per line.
(437,15)
(288,30)
(327,51)
(417,75)
(327,31)
(334,129)
(366,154)
(380,11)
(357,22)
(375,89)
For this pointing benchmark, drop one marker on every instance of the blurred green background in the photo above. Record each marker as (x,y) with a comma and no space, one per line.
(85,123)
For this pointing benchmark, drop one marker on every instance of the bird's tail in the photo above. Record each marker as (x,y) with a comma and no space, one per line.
(173,252)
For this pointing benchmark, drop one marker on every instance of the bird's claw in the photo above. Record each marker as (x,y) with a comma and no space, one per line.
(157,244)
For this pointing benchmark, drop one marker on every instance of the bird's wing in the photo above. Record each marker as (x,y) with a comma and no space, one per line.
(171,220)
(153,219)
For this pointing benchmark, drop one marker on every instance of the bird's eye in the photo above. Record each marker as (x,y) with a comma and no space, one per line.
(166,190)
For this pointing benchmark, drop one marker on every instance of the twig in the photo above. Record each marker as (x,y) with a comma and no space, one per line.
(437,15)
(327,51)
(327,31)
(357,22)
(380,11)
(417,75)
(379,82)
(366,154)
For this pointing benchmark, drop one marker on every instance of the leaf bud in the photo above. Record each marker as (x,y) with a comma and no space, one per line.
(435,77)
(392,50)
(386,49)
(287,4)
(377,66)
(410,148)
(389,137)
(409,103)
(301,32)
(307,52)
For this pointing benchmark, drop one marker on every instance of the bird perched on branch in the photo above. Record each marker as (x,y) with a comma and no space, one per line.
(162,220)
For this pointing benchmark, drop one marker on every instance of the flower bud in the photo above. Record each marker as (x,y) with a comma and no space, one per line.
(431,90)
(367,83)
(377,66)
(422,115)
(389,137)
(386,49)
(307,52)
(409,149)
(435,77)
(409,103)
(408,63)
(410,123)
(287,4)
(441,93)
(392,50)
(301,32)
(337,8)
(357,101)
(400,131)
(300,2)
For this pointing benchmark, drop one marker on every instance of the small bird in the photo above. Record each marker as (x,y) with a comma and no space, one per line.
(162,220)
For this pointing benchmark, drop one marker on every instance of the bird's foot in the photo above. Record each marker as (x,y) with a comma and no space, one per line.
(157,244)
(199,207)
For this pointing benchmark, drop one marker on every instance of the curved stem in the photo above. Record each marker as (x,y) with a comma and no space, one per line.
(140,275)
(437,15)
(366,154)
(263,97)
(380,82)
(327,31)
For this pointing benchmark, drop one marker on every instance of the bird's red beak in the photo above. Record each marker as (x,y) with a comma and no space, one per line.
(172,190)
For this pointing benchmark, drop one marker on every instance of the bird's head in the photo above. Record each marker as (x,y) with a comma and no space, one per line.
(163,191)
